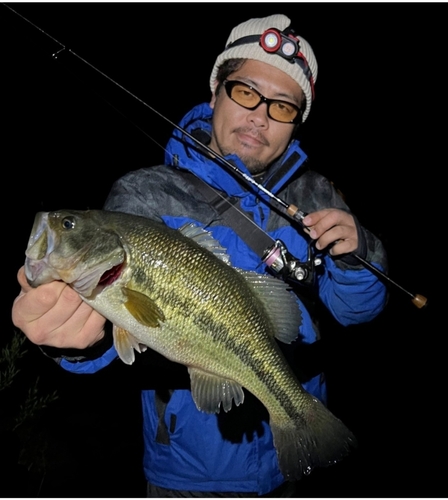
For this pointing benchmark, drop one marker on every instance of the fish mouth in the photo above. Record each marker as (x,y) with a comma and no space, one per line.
(40,246)
(88,282)
(82,269)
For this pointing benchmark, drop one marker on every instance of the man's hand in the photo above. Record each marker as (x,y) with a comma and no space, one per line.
(54,315)
(333,226)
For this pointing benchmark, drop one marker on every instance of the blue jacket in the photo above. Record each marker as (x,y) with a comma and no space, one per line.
(184,448)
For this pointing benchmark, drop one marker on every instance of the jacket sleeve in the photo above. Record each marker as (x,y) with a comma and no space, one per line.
(89,360)
(352,293)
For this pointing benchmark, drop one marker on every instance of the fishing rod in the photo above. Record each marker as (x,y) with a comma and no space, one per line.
(292,211)
(277,256)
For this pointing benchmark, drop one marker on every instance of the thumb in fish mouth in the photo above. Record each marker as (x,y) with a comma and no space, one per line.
(37,272)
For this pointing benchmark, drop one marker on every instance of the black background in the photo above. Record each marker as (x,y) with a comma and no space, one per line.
(376,129)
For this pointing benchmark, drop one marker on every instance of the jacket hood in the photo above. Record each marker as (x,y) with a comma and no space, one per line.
(183,153)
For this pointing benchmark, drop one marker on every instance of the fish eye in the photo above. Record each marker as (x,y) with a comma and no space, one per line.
(68,222)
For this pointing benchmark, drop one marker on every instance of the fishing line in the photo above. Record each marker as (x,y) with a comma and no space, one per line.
(55,56)
(32,24)
(291,211)
(212,153)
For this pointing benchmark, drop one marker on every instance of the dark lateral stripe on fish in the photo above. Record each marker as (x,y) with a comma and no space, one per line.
(261,367)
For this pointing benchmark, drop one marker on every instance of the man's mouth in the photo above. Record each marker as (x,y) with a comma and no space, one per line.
(250,138)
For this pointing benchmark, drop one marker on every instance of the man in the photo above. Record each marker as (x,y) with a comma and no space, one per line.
(260,96)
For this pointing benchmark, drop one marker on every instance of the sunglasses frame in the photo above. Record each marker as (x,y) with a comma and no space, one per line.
(230,84)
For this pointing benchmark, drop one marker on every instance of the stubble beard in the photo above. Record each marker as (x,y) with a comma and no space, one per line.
(253,164)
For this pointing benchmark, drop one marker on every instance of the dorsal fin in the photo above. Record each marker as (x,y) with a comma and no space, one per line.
(204,238)
(280,303)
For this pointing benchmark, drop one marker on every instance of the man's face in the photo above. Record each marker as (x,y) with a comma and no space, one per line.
(251,134)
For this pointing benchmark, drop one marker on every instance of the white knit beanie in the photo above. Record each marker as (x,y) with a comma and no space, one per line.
(303,69)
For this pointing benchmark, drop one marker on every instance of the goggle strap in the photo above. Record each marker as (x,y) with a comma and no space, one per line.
(299,58)
(244,40)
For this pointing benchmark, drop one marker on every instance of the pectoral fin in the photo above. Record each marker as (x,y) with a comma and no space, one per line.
(125,343)
(144,309)
(209,392)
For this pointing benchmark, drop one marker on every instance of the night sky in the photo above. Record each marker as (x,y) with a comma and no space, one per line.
(376,129)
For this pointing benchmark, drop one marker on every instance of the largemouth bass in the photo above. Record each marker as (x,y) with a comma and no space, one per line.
(175,291)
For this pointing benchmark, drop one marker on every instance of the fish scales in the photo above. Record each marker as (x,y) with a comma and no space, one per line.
(178,295)
(174,294)
(253,355)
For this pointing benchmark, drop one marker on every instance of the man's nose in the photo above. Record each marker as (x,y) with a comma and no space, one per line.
(259,116)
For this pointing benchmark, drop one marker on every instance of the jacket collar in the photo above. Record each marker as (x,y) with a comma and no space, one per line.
(183,153)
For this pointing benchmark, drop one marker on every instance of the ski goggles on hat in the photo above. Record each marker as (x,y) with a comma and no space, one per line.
(249,98)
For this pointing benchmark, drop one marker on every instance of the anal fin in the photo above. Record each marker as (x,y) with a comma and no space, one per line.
(210,392)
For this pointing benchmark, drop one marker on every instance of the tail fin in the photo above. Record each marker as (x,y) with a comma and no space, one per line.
(318,440)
